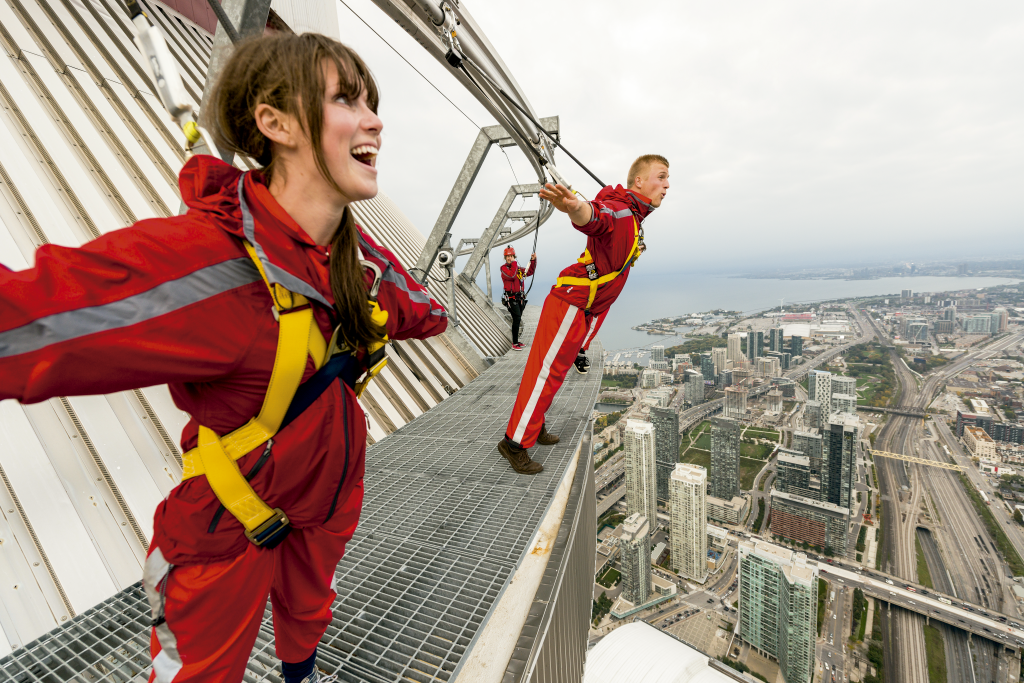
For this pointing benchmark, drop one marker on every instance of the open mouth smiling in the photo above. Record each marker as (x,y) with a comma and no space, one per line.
(365,154)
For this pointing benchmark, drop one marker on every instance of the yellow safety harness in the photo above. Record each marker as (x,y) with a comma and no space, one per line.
(216,456)
(594,279)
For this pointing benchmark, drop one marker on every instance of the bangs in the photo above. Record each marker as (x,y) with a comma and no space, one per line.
(353,76)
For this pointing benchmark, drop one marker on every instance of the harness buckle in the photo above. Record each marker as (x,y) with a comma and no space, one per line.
(591,271)
(376,361)
(271,532)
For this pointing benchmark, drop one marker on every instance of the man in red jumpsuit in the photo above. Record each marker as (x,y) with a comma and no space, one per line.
(577,304)
(512,279)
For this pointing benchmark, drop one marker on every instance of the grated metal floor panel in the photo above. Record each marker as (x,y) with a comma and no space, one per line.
(445,522)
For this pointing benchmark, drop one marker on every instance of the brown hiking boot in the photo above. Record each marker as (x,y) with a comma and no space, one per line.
(519,458)
(546,438)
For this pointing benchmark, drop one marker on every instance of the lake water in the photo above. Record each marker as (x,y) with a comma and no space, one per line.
(647,297)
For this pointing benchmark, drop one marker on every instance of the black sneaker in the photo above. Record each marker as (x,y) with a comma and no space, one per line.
(582,364)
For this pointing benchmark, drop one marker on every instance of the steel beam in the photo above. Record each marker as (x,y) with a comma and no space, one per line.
(472,267)
(917,461)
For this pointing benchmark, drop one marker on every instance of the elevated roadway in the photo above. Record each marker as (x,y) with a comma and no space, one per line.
(969,617)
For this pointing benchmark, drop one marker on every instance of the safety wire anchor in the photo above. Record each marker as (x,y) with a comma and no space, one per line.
(164,73)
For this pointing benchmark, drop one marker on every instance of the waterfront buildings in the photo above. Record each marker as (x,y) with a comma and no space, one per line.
(734,349)
(907,294)
(688,534)
(641,470)
(724,481)
(666,446)
(650,378)
(693,387)
(735,406)
(778,606)
(635,559)
(658,353)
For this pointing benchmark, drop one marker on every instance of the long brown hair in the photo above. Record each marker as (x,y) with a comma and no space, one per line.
(285,71)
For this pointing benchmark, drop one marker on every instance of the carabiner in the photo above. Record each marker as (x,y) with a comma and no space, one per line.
(377,277)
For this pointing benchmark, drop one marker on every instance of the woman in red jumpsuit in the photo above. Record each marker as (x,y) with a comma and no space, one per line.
(180,301)
(513,297)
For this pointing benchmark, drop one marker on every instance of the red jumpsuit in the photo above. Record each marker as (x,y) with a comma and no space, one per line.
(512,279)
(565,327)
(179,301)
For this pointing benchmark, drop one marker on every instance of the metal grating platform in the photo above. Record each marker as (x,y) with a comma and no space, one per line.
(445,523)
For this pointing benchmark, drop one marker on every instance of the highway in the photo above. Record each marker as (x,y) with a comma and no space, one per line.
(970,563)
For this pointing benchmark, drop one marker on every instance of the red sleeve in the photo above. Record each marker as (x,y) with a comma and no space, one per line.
(507,278)
(129,309)
(533,267)
(412,312)
(602,219)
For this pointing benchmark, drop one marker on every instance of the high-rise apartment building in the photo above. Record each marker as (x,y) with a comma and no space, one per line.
(844,403)
(796,346)
(812,414)
(773,402)
(793,474)
(755,345)
(907,294)
(688,535)
(844,385)
(734,350)
(658,353)
(735,406)
(719,356)
(635,559)
(839,458)
(978,324)
(819,388)
(949,313)
(769,367)
(641,470)
(779,606)
(724,480)
(808,444)
(707,366)
(666,446)
(775,339)
(693,388)
(1000,318)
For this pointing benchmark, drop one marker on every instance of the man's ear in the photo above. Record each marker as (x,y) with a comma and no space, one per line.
(276,126)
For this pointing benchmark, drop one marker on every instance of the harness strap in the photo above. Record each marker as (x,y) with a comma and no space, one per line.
(593,281)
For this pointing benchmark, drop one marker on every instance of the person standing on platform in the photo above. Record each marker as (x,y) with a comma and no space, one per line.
(578,302)
(514,298)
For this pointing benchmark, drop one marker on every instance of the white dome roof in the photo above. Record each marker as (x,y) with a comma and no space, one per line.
(640,652)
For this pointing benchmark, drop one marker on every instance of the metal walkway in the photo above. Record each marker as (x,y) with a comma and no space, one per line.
(445,523)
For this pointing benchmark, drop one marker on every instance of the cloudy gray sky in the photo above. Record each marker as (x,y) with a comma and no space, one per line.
(800,132)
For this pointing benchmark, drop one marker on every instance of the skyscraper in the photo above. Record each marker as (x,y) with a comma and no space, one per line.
(707,366)
(809,444)
(949,313)
(666,446)
(812,414)
(775,339)
(755,345)
(778,606)
(657,353)
(735,406)
(724,479)
(733,352)
(641,470)
(719,356)
(796,346)
(839,458)
(844,385)
(689,536)
(693,391)
(819,388)
(635,559)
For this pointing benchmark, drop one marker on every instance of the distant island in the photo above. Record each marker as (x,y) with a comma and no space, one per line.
(985,268)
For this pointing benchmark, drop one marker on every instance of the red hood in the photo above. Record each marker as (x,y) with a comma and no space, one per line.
(210,186)
(640,204)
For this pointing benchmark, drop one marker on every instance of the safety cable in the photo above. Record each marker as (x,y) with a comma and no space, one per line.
(527,114)
(365,23)
(222,17)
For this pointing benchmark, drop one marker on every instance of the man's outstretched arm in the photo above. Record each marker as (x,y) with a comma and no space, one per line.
(579,210)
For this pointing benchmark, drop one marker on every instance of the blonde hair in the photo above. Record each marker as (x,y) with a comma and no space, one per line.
(642,164)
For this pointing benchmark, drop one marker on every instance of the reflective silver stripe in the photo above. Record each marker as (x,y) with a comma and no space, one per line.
(168,662)
(165,298)
(418,296)
(373,252)
(621,213)
(593,212)
(275,274)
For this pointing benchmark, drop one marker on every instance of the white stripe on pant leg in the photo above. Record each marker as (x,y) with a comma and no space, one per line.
(167,663)
(590,333)
(545,370)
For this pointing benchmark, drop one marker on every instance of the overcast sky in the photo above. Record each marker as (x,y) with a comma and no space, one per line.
(798,132)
